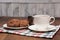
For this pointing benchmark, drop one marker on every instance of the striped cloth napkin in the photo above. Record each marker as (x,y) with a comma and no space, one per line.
(28,32)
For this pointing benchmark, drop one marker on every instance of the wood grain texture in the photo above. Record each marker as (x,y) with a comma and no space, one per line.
(56,1)
(24,8)
(26,1)
(3,36)
(41,9)
(0,9)
(4,8)
(12,0)
(19,37)
(10,10)
(57,10)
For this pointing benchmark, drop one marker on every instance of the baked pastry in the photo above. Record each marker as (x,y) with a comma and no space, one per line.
(13,23)
(18,23)
(24,22)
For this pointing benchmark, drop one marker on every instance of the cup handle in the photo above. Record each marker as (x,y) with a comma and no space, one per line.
(52,20)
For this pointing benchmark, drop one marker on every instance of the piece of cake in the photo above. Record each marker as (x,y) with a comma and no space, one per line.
(13,23)
(24,22)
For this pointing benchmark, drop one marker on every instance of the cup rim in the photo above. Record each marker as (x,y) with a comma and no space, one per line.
(41,15)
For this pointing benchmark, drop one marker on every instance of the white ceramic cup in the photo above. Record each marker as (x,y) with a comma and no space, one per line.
(43,19)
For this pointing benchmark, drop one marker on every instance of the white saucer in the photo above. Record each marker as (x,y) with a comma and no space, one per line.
(5,26)
(41,28)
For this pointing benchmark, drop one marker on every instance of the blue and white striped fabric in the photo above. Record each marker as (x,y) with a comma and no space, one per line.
(31,33)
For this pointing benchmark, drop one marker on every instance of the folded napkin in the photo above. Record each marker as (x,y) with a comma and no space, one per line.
(28,32)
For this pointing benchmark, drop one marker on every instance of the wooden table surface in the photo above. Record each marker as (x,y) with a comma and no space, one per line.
(6,36)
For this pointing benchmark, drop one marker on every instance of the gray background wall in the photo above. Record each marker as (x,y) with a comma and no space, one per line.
(23,8)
